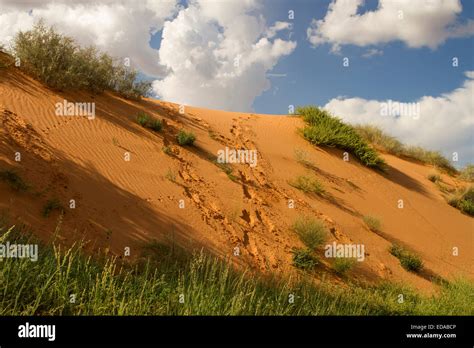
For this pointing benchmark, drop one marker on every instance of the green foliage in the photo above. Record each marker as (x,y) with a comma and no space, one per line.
(409,261)
(467,173)
(342,265)
(304,259)
(185,138)
(464,200)
(372,223)
(307,184)
(52,205)
(156,125)
(167,150)
(150,286)
(433,177)
(144,120)
(325,129)
(13,180)
(387,143)
(60,63)
(311,232)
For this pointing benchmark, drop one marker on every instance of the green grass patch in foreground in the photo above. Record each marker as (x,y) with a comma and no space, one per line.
(152,286)
(324,129)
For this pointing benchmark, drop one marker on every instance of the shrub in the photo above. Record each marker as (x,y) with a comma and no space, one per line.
(467,173)
(143,119)
(51,205)
(13,180)
(324,129)
(409,261)
(342,265)
(307,185)
(303,259)
(156,125)
(433,177)
(59,62)
(372,223)
(185,138)
(385,142)
(463,200)
(167,150)
(310,231)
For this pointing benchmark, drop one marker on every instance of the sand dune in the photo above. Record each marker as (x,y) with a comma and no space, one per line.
(123,203)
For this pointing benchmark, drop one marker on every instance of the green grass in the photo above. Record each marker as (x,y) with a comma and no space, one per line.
(463,200)
(13,180)
(156,125)
(409,261)
(467,173)
(50,206)
(372,223)
(143,119)
(433,177)
(324,129)
(387,143)
(304,259)
(167,150)
(307,184)
(342,265)
(152,284)
(311,232)
(146,121)
(227,169)
(185,138)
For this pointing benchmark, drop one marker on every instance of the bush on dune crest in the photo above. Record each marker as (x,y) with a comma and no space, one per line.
(324,129)
(151,286)
(392,145)
(60,63)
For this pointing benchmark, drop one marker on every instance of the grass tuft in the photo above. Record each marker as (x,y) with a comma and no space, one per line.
(307,184)
(463,200)
(52,205)
(409,261)
(311,232)
(13,180)
(185,138)
(304,259)
(342,265)
(372,223)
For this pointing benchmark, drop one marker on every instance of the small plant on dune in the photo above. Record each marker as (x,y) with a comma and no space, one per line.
(324,129)
(307,185)
(467,173)
(227,169)
(304,259)
(167,150)
(171,175)
(156,125)
(302,157)
(185,138)
(52,205)
(143,119)
(463,200)
(409,261)
(434,177)
(372,223)
(13,180)
(311,232)
(342,265)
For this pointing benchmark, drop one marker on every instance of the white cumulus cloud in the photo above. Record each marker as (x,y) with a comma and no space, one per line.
(121,28)
(218,54)
(445,123)
(416,23)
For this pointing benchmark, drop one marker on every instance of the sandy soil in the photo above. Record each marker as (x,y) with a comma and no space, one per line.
(123,203)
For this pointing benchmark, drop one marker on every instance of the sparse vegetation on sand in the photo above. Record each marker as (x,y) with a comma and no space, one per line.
(145,120)
(311,232)
(307,184)
(185,138)
(13,180)
(152,285)
(372,222)
(392,145)
(434,177)
(52,205)
(463,200)
(171,175)
(467,173)
(59,62)
(410,261)
(167,150)
(304,259)
(324,129)
(342,265)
